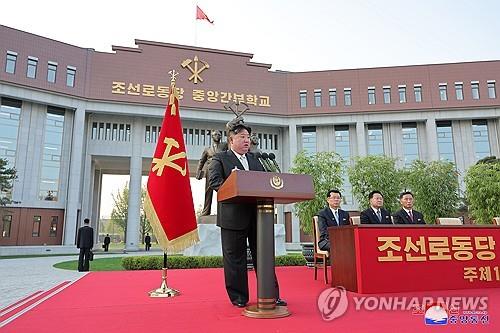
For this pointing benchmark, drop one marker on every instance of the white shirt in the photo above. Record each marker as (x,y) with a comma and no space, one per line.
(243,160)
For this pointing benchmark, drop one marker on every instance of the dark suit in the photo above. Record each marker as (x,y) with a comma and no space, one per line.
(85,242)
(107,240)
(402,217)
(327,219)
(147,240)
(369,217)
(237,222)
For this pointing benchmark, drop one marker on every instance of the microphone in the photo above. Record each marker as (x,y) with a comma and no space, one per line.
(261,160)
(270,166)
(272,157)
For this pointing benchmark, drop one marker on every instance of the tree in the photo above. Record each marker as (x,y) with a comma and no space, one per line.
(435,187)
(7,175)
(482,183)
(375,173)
(326,170)
(119,213)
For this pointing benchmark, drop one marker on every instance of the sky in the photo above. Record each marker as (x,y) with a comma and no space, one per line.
(292,35)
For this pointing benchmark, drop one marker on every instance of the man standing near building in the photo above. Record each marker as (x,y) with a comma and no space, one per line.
(331,216)
(407,215)
(238,221)
(147,240)
(85,242)
(107,240)
(376,214)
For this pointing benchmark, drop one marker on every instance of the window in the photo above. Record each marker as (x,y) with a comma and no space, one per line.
(303,98)
(7,224)
(445,141)
(52,154)
(402,93)
(475,89)
(347,97)
(70,76)
(32,65)
(371,95)
(51,72)
(417,89)
(442,92)
(459,90)
(480,138)
(342,148)
(410,143)
(375,139)
(35,232)
(387,95)
(10,63)
(53,227)
(10,114)
(317,98)
(333,97)
(309,139)
(491,89)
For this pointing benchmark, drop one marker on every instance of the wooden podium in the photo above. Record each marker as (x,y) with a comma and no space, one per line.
(265,189)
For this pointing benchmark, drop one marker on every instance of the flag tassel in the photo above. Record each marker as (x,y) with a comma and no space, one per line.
(164,290)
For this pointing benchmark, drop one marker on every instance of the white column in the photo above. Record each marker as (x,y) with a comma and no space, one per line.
(432,144)
(361,137)
(292,131)
(73,204)
(134,194)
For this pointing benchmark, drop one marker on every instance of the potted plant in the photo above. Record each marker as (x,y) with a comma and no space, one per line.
(326,170)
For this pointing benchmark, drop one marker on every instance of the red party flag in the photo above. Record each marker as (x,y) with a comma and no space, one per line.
(169,203)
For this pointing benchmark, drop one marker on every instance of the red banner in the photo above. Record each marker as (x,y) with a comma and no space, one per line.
(382,259)
(169,203)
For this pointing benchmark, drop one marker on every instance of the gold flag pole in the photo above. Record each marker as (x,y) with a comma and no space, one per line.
(164,290)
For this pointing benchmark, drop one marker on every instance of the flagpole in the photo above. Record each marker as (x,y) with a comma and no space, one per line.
(196,32)
(164,290)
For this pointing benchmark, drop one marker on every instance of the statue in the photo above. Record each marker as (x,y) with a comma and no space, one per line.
(203,164)
(254,144)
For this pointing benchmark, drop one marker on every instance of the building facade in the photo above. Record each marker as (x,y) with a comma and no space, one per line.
(69,115)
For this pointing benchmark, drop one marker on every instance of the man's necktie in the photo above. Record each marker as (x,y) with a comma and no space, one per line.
(411,215)
(336,214)
(379,216)
(244,161)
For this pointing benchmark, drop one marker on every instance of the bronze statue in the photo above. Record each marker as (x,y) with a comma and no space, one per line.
(254,144)
(203,164)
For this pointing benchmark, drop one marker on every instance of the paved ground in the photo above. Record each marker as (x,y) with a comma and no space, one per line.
(24,276)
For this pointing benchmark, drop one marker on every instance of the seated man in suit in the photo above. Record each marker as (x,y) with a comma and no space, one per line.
(407,215)
(376,214)
(331,216)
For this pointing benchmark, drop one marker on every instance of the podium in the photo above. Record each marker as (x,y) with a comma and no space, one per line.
(265,189)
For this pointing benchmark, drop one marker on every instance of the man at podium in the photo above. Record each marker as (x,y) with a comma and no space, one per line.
(238,222)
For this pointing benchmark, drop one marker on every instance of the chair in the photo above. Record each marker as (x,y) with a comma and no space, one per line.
(449,221)
(318,253)
(355,220)
(496,220)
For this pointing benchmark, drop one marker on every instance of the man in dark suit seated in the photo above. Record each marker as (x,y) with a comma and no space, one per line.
(238,221)
(331,216)
(376,214)
(407,215)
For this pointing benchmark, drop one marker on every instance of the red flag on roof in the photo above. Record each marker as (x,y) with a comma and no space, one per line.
(169,203)
(200,15)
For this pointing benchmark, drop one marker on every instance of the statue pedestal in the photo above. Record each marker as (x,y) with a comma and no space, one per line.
(207,219)
(210,244)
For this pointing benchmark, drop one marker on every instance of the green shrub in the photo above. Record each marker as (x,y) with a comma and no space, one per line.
(182,262)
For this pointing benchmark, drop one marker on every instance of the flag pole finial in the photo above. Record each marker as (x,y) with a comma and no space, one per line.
(173,75)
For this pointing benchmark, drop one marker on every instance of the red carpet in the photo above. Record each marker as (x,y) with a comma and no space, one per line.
(118,302)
